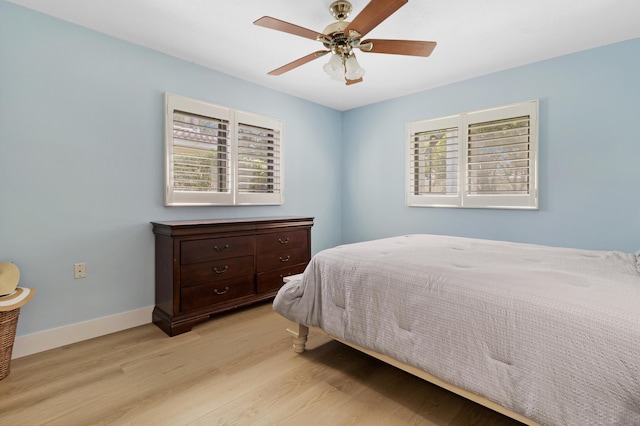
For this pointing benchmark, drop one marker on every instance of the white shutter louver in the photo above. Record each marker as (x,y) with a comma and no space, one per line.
(498,157)
(435,162)
(200,153)
(258,159)
(259,164)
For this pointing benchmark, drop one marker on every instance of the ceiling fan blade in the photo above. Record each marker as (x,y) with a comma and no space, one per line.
(350,82)
(400,47)
(295,64)
(277,24)
(373,14)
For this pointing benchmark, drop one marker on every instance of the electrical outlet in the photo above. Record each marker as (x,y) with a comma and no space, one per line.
(79,270)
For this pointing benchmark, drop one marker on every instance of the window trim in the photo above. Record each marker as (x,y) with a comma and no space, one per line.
(462,121)
(234,117)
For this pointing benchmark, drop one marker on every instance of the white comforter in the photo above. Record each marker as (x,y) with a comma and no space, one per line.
(550,333)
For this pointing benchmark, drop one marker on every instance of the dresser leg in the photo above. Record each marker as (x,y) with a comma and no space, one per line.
(299,333)
(172,326)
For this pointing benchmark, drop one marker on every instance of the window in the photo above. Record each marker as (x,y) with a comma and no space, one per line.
(219,156)
(482,159)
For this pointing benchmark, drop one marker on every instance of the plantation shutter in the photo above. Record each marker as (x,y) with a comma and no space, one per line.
(481,159)
(433,159)
(498,157)
(219,156)
(259,165)
(501,156)
(200,153)
(435,162)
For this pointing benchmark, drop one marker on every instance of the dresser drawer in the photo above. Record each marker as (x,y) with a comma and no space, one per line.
(215,248)
(269,261)
(272,281)
(281,240)
(219,292)
(211,272)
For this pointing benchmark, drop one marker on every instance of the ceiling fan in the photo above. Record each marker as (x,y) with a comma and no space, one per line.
(342,37)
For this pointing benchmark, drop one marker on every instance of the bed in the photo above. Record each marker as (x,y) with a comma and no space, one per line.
(545,335)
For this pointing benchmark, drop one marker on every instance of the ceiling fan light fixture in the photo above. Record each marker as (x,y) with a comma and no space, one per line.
(334,68)
(353,70)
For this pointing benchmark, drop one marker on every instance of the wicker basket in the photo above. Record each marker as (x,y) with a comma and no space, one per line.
(8,324)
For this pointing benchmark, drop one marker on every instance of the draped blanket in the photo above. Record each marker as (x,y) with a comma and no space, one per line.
(550,333)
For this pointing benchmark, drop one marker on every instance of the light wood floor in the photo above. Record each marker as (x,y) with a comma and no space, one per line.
(236,369)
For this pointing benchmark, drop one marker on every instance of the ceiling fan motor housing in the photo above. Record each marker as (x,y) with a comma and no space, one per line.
(340,10)
(340,43)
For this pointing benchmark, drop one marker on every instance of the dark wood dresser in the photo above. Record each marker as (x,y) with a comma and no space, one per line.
(209,266)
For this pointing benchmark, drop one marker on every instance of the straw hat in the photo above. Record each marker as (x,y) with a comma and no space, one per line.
(12,296)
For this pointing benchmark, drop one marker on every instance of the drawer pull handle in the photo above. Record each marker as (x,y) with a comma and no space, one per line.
(285,241)
(218,249)
(285,275)
(220,271)
(226,289)
(285,259)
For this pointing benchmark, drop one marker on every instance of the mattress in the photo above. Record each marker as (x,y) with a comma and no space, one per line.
(550,333)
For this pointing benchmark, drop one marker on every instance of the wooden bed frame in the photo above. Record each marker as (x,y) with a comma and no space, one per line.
(300,333)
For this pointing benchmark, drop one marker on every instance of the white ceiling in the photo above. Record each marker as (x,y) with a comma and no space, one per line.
(475,37)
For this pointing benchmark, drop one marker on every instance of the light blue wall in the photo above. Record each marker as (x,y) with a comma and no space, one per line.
(81,160)
(589,155)
(81,163)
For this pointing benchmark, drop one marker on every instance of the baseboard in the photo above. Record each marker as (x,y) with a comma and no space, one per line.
(56,337)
